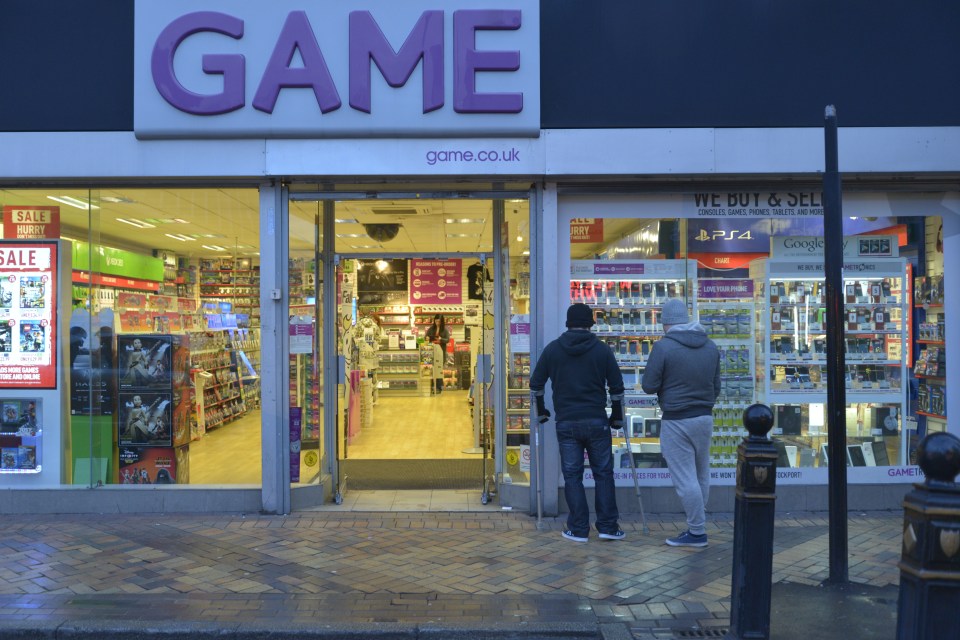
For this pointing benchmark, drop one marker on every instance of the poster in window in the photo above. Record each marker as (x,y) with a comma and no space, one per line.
(145,419)
(28,313)
(144,361)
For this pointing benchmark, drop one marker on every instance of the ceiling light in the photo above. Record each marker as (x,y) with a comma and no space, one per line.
(214,247)
(347,221)
(180,220)
(465,220)
(519,238)
(463,235)
(351,235)
(117,200)
(526,252)
(140,224)
(365,246)
(73,202)
(179,236)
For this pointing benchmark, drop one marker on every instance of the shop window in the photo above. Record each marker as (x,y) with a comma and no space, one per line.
(160,306)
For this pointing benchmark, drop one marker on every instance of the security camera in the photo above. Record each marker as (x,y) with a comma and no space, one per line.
(382,232)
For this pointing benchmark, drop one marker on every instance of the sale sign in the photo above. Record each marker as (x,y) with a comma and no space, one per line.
(31,222)
(28,315)
(436,281)
(586,230)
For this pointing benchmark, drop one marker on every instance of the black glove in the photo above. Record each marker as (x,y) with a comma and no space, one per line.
(543,414)
(616,415)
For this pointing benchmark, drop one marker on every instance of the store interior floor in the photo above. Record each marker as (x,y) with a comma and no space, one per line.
(436,427)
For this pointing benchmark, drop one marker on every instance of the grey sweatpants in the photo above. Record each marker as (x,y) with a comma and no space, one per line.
(685,444)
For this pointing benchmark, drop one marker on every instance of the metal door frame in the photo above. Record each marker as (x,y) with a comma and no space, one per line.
(333,367)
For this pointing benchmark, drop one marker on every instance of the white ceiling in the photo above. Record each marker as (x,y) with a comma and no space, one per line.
(229,218)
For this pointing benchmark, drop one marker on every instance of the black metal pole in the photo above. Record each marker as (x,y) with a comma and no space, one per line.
(836,361)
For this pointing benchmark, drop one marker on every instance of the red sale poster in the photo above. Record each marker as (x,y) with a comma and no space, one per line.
(28,315)
(436,281)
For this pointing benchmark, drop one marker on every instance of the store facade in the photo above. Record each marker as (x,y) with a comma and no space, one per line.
(331,225)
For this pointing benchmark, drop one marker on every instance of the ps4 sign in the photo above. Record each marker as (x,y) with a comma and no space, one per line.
(336,68)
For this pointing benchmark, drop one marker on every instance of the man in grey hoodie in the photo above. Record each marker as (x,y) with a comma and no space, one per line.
(684,371)
(581,368)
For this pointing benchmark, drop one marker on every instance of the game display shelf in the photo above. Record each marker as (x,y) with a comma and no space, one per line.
(399,371)
(730,323)
(930,367)
(231,285)
(217,381)
(791,350)
(518,417)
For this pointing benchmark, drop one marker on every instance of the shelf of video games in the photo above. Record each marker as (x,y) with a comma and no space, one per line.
(791,362)
(626,297)
(187,360)
(930,366)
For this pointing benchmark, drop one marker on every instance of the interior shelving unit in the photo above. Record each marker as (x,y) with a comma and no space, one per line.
(792,359)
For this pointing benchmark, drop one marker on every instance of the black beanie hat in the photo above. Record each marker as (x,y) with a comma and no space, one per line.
(579,315)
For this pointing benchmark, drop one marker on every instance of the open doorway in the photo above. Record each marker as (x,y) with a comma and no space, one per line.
(412,321)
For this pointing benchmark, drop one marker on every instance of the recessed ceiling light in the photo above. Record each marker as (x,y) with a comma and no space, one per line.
(465,220)
(73,202)
(140,224)
(347,221)
(351,235)
(117,200)
(214,247)
(526,252)
(463,235)
(365,246)
(180,237)
(180,220)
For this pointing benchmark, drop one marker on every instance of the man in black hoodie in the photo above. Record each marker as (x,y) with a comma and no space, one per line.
(581,368)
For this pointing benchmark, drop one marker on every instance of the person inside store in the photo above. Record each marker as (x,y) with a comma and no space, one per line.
(581,370)
(683,370)
(439,334)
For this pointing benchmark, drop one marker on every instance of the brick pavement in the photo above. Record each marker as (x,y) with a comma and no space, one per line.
(409,570)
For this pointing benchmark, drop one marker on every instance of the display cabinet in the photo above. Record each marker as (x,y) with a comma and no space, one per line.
(930,367)
(398,372)
(626,297)
(791,358)
(518,417)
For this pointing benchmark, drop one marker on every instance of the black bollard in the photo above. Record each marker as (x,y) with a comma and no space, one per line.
(753,527)
(930,557)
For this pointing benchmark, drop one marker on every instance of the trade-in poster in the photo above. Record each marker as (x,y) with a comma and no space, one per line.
(436,281)
(28,312)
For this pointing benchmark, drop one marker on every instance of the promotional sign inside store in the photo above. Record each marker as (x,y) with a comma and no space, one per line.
(28,314)
(586,230)
(436,281)
(242,68)
(31,222)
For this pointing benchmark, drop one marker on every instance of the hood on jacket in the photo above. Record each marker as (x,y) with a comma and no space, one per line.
(576,343)
(690,338)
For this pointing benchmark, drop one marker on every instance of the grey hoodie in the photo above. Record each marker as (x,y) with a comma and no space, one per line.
(684,371)
(580,368)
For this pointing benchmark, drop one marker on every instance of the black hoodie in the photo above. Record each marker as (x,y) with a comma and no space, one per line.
(580,368)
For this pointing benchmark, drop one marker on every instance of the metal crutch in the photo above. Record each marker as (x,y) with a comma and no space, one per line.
(628,433)
(538,444)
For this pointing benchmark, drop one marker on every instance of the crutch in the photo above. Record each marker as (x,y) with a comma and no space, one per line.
(628,433)
(538,444)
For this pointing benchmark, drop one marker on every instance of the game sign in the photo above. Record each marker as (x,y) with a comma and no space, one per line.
(28,314)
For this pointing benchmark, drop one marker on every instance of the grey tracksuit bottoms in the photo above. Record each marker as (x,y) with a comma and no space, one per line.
(685,444)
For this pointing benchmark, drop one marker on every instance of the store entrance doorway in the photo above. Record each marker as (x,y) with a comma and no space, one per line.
(415,336)
(405,405)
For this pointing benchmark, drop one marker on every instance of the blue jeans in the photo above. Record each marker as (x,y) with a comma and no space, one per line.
(592,436)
